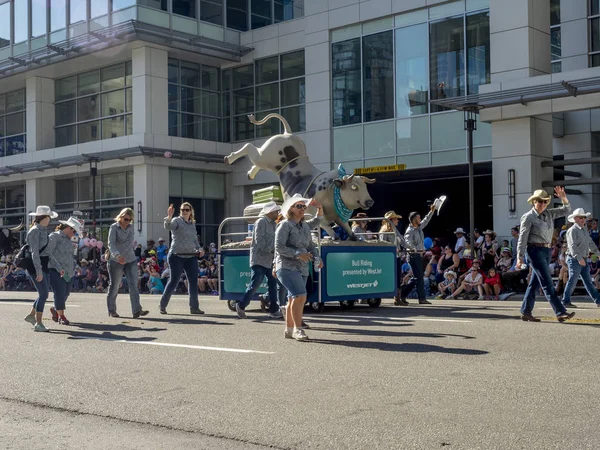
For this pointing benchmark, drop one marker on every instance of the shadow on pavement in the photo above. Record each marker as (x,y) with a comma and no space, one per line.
(364,332)
(117,327)
(106,335)
(401,347)
(177,321)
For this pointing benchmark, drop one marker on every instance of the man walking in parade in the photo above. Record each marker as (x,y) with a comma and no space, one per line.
(579,246)
(261,261)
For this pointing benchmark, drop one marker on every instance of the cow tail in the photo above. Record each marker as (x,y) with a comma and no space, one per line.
(286,125)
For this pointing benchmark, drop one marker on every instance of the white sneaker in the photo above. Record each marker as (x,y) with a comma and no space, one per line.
(240,312)
(481,297)
(287,334)
(276,315)
(300,335)
(29,318)
(40,327)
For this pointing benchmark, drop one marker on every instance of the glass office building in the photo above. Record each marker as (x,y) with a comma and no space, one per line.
(156,92)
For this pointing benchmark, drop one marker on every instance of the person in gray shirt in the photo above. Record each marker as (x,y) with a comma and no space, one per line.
(535,237)
(37,240)
(61,265)
(415,242)
(183,255)
(579,246)
(122,259)
(261,261)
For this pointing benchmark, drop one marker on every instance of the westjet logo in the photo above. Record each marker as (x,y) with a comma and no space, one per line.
(362,285)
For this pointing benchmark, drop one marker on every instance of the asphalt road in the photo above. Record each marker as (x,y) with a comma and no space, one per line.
(456,374)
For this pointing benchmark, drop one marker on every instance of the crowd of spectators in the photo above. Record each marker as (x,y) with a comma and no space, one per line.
(91,273)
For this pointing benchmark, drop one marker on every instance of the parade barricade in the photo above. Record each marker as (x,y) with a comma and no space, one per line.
(353,270)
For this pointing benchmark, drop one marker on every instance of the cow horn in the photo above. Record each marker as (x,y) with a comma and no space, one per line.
(17,228)
(348,177)
(368,180)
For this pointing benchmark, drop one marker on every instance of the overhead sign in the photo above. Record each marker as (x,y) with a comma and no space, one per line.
(379,169)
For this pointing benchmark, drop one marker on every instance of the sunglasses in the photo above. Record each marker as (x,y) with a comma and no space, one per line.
(300,206)
(125,219)
(185,209)
(545,202)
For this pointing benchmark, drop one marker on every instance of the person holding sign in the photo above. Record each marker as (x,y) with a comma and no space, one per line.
(261,261)
(415,242)
(61,265)
(535,237)
(183,255)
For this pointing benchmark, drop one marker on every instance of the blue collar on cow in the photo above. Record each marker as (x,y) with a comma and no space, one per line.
(340,207)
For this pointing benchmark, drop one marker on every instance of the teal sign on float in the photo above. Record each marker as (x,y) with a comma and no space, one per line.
(360,273)
(236,275)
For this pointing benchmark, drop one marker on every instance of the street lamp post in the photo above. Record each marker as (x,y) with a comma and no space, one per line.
(471,110)
(93,173)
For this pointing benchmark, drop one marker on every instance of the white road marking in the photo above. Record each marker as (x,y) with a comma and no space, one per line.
(166,344)
(27,304)
(399,319)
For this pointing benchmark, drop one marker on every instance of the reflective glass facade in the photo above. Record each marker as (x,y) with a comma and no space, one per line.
(94,105)
(194,101)
(12,123)
(12,205)
(385,72)
(270,85)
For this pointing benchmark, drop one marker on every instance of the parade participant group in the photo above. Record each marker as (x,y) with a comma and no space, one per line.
(282,249)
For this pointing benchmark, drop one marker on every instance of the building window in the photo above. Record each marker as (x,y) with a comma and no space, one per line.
(270,85)
(412,77)
(185,8)
(194,101)
(38,18)
(12,123)
(594,18)
(12,205)
(555,37)
(212,11)
(98,8)
(378,76)
(237,14)
(94,105)
(21,21)
(261,14)
(120,4)
(58,14)
(157,4)
(206,192)
(113,193)
(346,82)
(478,51)
(288,9)
(5,25)
(77,11)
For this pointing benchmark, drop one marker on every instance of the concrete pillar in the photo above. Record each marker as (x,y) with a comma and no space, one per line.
(151,188)
(150,91)
(574,34)
(39,93)
(520,145)
(40,191)
(519,39)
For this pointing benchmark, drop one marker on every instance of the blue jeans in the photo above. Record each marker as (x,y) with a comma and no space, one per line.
(258,275)
(575,270)
(177,265)
(115,274)
(43,290)
(60,288)
(539,260)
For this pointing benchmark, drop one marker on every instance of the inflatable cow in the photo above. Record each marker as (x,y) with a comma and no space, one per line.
(285,155)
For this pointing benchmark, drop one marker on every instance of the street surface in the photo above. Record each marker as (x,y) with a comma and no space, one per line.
(452,375)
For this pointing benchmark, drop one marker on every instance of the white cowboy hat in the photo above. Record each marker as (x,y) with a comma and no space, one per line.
(291,201)
(459,230)
(448,273)
(579,212)
(269,208)
(73,223)
(161,240)
(44,210)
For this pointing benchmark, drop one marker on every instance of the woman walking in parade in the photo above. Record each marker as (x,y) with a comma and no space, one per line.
(122,259)
(183,255)
(389,233)
(37,240)
(535,237)
(294,248)
(62,265)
